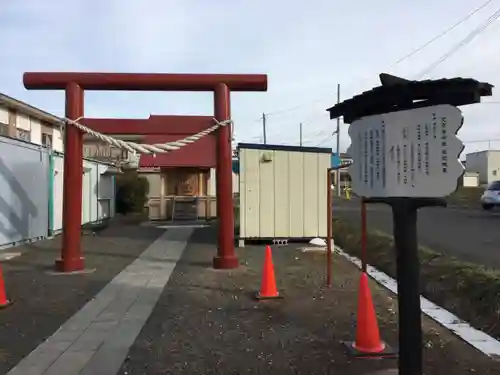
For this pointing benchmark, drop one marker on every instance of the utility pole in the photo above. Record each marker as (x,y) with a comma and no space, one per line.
(338,144)
(264,127)
(300,134)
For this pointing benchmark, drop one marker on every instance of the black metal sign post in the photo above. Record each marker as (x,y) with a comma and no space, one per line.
(404,216)
(397,94)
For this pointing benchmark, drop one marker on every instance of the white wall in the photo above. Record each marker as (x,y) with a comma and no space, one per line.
(58,193)
(105,193)
(470,180)
(89,192)
(285,197)
(154,180)
(212,190)
(493,165)
(36,131)
(57,140)
(97,192)
(23,122)
(24,192)
(486,163)
(478,162)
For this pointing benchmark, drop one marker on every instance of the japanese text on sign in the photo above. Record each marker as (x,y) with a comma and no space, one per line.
(408,153)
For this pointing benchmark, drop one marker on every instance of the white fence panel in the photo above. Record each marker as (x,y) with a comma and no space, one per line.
(24,191)
(57,192)
(97,192)
(105,193)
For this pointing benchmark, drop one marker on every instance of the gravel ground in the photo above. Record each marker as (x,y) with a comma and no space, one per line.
(43,302)
(206,321)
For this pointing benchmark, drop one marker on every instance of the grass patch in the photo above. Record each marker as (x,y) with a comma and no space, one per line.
(466,197)
(470,291)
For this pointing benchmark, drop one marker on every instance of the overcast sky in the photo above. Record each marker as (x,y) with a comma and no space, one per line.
(306,48)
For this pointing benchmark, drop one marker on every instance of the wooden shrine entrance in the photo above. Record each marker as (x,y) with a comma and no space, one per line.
(74,85)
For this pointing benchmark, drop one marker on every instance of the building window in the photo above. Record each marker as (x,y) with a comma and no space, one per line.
(47,140)
(4,129)
(25,135)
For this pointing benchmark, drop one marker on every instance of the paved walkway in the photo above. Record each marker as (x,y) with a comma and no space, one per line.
(42,301)
(96,340)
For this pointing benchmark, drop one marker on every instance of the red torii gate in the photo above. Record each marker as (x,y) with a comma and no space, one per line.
(74,85)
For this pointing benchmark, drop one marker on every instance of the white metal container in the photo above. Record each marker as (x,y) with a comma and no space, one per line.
(283,192)
(98,193)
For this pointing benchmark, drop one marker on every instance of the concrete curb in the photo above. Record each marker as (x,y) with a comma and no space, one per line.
(478,339)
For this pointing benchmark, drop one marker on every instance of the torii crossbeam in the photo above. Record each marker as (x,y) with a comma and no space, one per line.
(74,85)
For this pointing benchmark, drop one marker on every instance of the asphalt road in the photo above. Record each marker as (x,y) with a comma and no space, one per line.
(469,234)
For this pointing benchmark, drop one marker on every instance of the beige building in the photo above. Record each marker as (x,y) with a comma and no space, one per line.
(486,163)
(23,121)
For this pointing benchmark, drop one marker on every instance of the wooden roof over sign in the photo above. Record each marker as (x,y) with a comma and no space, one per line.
(398,94)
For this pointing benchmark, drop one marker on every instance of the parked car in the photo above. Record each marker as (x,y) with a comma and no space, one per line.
(491,196)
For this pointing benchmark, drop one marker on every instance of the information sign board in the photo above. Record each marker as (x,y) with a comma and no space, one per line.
(413,153)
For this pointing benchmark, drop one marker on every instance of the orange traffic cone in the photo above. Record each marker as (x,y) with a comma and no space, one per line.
(4,302)
(268,289)
(368,342)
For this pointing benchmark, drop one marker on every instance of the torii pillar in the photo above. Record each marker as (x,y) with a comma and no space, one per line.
(74,85)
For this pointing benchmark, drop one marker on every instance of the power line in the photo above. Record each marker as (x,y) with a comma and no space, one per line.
(403,58)
(309,120)
(474,33)
(443,33)
(326,132)
(443,58)
(325,140)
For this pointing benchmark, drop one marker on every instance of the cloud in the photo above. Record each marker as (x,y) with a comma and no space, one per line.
(306,49)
